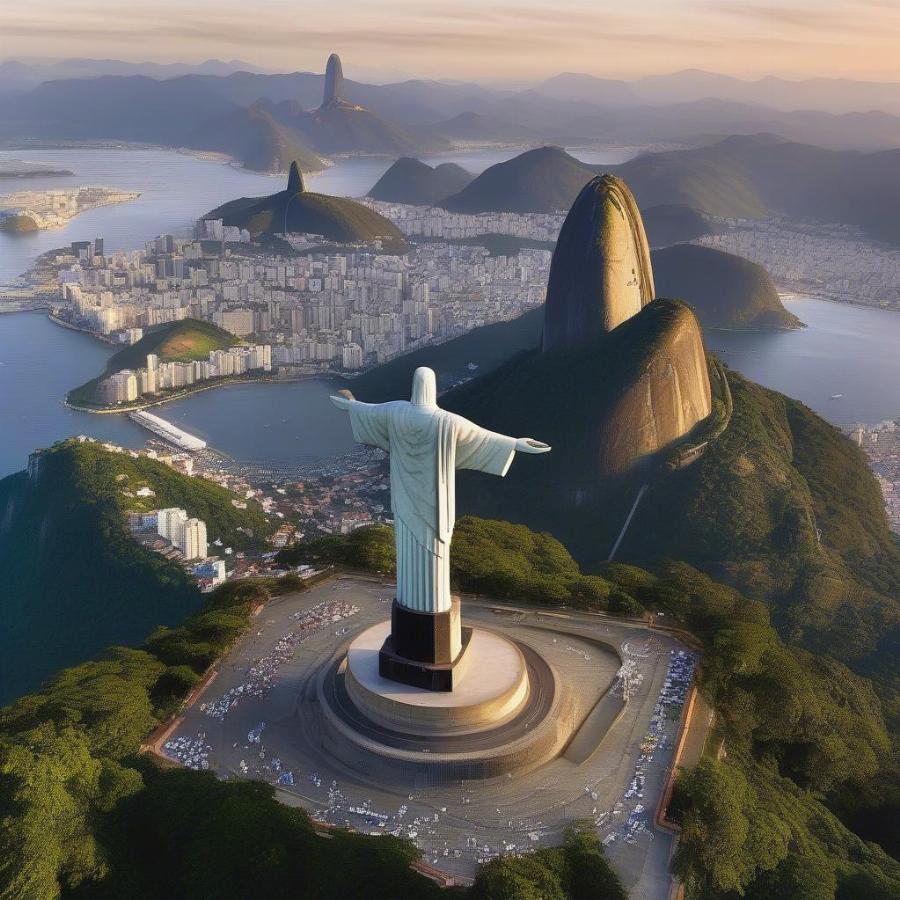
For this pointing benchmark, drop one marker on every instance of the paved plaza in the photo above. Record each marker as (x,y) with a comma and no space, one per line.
(628,681)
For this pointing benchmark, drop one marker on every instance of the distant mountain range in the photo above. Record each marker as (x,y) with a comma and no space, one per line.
(740,177)
(758,176)
(91,100)
(21,76)
(571,108)
(263,121)
(834,95)
(478,127)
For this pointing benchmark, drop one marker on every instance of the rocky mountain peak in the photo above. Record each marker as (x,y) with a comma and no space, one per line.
(334,81)
(601,274)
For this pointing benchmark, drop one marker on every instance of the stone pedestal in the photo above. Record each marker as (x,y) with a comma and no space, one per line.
(425,650)
(490,685)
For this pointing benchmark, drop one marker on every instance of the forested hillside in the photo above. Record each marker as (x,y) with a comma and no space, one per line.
(74,579)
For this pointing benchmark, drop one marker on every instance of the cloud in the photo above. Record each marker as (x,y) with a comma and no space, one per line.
(506,38)
(834,20)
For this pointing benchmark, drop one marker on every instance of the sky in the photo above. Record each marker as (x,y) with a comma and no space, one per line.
(473,39)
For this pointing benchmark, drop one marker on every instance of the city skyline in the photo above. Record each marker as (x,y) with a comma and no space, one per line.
(504,41)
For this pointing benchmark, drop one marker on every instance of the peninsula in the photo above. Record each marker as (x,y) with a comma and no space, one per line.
(168,362)
(35,210)
(20,168)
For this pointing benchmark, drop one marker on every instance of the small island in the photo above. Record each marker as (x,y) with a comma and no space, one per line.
(169,362)
(34,210)
(20,168)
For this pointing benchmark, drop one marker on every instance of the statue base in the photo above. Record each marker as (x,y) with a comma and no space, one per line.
(425,650)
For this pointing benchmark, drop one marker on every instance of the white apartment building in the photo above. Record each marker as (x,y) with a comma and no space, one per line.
(170,524)
(193,543)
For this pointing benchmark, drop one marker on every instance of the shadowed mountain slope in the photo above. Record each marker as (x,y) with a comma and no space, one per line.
(412,181)
(675,223)
(546,179)
(726,291)
(254,137)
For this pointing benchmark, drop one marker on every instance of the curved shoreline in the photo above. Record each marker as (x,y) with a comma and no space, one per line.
(225,382)
(72,327)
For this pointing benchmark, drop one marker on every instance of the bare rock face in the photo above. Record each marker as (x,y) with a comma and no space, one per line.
(334,81)
(601,273)
(667,394)
(295,180)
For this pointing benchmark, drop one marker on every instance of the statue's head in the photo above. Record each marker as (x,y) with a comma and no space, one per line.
(424,389)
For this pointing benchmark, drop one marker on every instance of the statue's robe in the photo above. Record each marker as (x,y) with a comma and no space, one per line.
(427,445)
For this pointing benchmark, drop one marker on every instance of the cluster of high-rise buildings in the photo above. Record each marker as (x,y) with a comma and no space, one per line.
(881,444)
(128,385)
(436,223)
(181,531)
(318,311)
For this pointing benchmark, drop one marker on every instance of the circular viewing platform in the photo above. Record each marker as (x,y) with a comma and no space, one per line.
(508,713)
(492,686)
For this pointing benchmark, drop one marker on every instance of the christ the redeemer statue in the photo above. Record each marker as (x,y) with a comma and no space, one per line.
(427,445)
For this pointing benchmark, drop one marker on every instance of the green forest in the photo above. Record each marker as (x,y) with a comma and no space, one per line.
(74,579)
(793,798)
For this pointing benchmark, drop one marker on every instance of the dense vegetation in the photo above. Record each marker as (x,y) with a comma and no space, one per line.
(335,218)
(74,580)
(575,871)
(79,812)
(495,558)
(412,181)
(181,341)
(783,508)
(18,223)
(797,727)
(249,845)
(727,291)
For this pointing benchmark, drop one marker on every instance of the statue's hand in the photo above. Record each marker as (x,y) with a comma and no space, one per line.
(530,445)
(342,399)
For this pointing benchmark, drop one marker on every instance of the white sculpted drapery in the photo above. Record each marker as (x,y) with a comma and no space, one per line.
(426,445)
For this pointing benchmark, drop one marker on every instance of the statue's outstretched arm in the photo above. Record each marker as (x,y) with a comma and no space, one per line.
(530,445)
(342,399)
